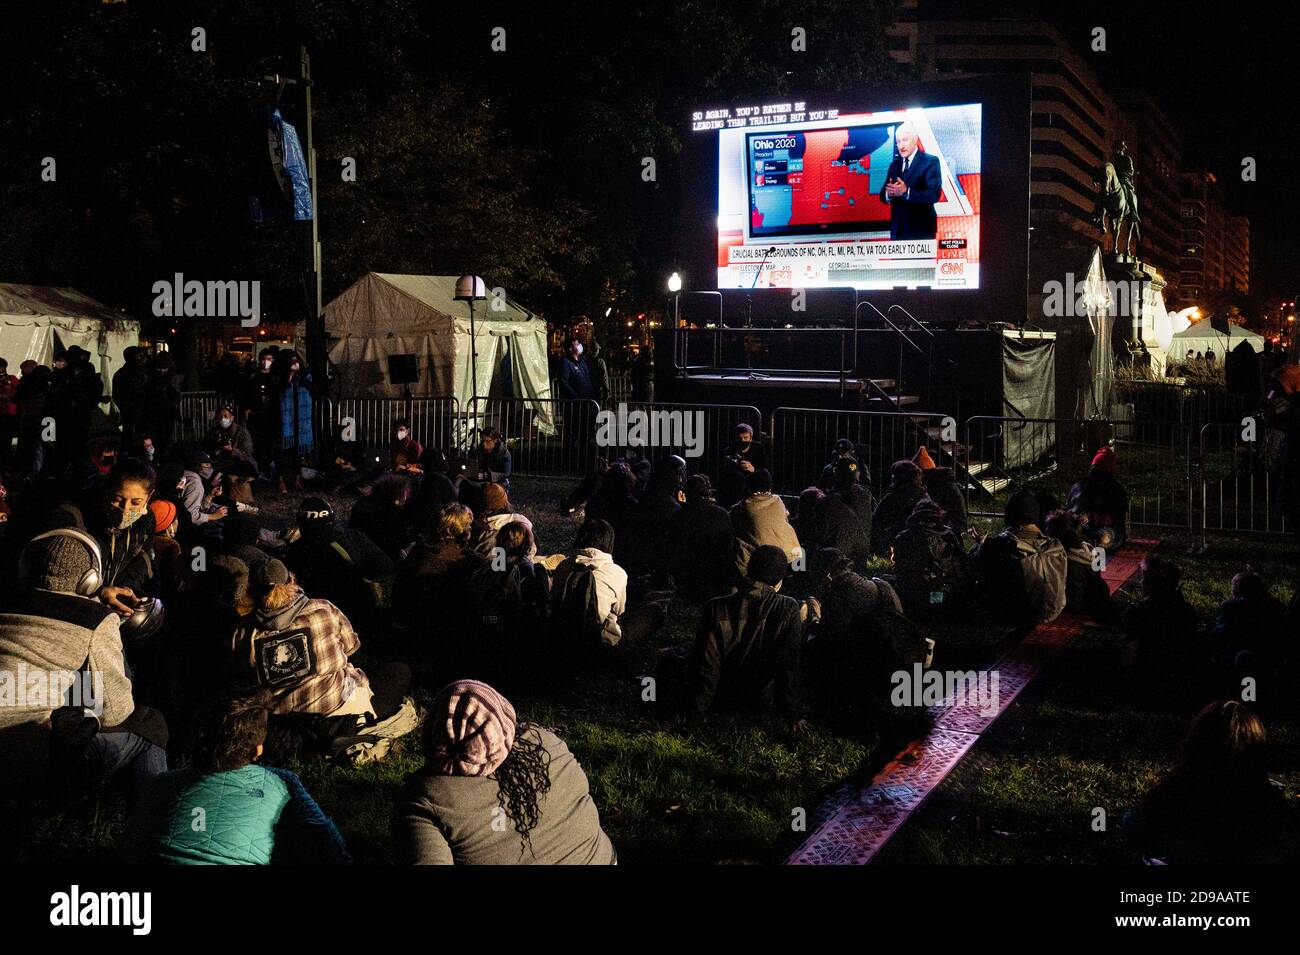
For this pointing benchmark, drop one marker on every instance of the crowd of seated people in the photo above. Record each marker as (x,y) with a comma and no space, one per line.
(228,644)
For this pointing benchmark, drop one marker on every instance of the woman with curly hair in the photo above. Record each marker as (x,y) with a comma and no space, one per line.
(494,791)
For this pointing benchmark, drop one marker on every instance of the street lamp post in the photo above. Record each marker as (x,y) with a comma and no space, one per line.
(470,289)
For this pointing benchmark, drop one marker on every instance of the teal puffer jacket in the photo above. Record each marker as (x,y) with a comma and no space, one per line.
(228,818)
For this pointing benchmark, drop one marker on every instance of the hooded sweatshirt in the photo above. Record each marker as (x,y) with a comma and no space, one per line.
(762,519)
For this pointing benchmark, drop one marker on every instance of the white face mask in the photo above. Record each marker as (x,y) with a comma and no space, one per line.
(148,453)
(401,434)
(266,364)
(227,422)
(577,349)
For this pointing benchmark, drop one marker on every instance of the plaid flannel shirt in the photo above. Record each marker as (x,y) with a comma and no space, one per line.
(330,640)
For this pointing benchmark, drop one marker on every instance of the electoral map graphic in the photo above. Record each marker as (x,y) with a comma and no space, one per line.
(826,180)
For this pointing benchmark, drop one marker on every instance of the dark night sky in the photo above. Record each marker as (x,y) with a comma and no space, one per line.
(1226,76)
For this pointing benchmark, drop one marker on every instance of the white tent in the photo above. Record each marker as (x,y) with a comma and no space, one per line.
(36,321)
(382,316)
(1202,338)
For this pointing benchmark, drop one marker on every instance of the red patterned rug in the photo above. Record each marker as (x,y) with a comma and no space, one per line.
(856,825)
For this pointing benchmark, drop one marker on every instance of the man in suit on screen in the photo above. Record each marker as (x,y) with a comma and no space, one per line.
(912,187)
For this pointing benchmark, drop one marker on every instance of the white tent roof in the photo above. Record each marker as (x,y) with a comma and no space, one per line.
(32,316)
(1202,336)
(385,303)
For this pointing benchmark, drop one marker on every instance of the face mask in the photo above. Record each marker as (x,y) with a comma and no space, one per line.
(577,349)
(401,434)
(206,471)
(294,367)
(266,364)
(120,519)
(148,453)
(227,422)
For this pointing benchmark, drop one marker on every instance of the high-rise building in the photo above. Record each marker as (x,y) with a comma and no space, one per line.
(1076,124)
(1214,260)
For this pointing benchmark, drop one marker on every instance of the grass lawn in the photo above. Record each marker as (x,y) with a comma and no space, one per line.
(1075,741)
(727,791)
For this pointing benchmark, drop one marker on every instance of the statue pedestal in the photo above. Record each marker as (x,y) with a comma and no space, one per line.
(1139,303)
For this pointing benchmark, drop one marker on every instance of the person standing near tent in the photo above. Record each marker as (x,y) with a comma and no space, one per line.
(257,401)
(294,404)
(130,389)
(575,375)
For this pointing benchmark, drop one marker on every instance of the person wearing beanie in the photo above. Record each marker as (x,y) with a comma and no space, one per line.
(930,564)
(1020,574)
(843,449)
(761,519)
(50,627)
(942,488)
(844,516)
(497,512)
(701,543)
(329,557)
(299,648)
(748,654)
(1101,502)
(166,549)
(481,761)
(906,490)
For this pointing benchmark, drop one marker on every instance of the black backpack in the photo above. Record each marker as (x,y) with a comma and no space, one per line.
(509,604)
(575,614)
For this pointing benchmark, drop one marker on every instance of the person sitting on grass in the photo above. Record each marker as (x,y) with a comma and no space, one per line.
(941,487)
(434,575)
(509,607)
(494,791)
(930,564)
(1245,640)
(404,452)
(56,625)
(1020,574)
(844,515)
(381,515)
(1101,502)
(496,513)
(1086,593)
(299,648)
(748,653)
(645,548)
(701,542)
(594,612)
(329,557)
(761,520)
(1218,806)
(1167,651)
(251,814)
(906,490)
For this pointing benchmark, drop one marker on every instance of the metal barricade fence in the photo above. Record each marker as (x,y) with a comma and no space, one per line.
(802,441)
(195,412)
(1237,479)
(700,433)
(372,422)
(1046,454)
(547,437)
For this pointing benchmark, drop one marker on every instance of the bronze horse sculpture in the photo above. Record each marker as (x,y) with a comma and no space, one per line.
(1117,202)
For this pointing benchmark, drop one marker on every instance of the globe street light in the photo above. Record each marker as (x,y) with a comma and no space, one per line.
(470,289)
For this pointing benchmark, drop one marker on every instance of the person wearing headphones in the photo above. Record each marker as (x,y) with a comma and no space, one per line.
(83,727)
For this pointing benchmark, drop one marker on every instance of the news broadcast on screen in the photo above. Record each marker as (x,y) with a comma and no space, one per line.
(866,200)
